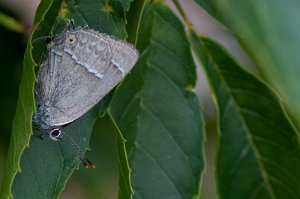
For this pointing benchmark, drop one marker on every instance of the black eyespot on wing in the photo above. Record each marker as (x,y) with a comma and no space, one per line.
(55,134)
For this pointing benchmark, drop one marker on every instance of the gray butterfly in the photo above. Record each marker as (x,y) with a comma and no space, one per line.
(80,68)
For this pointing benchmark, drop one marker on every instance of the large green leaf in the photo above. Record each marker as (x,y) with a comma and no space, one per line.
(270,32)
(158,113)
(45,165)
(259,153)
(21,128)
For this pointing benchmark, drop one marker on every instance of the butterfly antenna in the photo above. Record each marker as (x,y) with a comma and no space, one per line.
(85,161)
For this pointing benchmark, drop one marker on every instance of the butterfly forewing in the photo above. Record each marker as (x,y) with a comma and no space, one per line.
(81,68)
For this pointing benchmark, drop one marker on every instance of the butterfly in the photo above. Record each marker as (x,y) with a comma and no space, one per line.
(80,68)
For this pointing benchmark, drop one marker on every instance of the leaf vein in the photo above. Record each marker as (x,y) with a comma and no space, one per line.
(126,109)
(245,125)
(148,154)
(170,52)
(167,130)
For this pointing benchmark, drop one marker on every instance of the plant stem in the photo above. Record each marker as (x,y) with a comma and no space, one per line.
(182,14)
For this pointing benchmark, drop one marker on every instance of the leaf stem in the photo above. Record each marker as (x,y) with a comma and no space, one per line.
(182,14)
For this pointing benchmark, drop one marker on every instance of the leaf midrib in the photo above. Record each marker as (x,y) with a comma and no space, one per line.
(248,135)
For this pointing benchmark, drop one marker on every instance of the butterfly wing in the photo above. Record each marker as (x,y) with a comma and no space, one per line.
(82,67)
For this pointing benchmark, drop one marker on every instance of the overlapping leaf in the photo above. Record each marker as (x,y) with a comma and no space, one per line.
(158,113)
(259,153)
(269,32)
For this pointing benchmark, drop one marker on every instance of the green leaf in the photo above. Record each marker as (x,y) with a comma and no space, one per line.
(43,168)
(125,4)
(259,153)
(21,129)
(270,32)
(158,113)
(125,188)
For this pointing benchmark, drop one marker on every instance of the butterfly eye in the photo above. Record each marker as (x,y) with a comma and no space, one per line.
(55,134)
(71,39)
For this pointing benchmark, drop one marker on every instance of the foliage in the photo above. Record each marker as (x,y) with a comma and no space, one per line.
(158,121)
